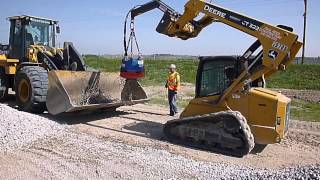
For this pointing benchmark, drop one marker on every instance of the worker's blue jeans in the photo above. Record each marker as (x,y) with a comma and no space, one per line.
(172,97)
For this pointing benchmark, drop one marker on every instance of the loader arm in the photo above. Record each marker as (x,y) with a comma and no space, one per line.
(155,4)
(279,45)
(170,15)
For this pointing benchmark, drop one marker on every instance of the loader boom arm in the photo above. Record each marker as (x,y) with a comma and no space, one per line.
(170,15)
(279,45)
(155,4)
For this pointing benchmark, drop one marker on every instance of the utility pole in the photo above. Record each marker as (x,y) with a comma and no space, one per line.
(304,31)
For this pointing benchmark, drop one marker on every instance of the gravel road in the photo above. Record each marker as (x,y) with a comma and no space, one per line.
(129,144)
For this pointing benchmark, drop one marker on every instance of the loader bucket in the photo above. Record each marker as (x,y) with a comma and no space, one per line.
(71,91)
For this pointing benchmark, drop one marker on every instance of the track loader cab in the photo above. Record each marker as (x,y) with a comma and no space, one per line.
(215,74)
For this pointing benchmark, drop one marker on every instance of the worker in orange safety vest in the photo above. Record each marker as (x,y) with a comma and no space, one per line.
(173,86)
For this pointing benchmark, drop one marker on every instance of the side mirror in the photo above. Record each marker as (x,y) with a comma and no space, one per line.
(4,49)
(58,29)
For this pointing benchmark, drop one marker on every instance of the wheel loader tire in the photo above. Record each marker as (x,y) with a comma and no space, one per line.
(31,86)
(3,85)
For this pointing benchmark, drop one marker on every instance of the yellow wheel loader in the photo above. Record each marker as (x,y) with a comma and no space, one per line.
(57,79)
(232,111)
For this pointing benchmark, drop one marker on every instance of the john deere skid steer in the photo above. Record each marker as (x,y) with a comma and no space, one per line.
(45,77)
(232,111)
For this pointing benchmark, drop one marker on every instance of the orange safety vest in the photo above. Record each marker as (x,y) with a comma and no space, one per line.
(173,81)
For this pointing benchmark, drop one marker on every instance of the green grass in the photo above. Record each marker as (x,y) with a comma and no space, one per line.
(156,70)
(103,64)
(306,111)
(297,77)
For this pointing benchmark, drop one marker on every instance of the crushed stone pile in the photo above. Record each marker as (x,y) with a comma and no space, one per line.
(18,128)
(123,161)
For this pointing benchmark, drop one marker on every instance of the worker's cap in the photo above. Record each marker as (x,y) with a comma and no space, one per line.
(172,66)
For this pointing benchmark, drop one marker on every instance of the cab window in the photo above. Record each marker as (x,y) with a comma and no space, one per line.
(39,33)
(214,78)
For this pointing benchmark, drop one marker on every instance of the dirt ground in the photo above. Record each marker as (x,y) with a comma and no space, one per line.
(141,125)
(129,143)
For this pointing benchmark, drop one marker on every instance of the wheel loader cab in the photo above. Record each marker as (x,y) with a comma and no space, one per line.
(29,30)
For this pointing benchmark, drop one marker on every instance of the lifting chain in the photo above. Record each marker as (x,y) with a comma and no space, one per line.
(132,40)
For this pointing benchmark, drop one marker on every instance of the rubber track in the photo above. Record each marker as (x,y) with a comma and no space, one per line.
(246,133)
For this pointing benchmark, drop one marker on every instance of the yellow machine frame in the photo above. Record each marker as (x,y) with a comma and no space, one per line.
(252,103)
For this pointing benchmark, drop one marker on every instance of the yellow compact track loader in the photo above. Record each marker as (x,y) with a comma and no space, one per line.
(57,79)
(232,111)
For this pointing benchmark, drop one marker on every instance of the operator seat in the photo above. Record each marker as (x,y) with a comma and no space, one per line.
(29,39)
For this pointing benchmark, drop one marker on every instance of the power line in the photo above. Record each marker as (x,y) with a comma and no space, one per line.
(304,30)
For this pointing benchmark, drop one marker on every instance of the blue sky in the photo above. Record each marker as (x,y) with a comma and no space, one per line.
(96,26)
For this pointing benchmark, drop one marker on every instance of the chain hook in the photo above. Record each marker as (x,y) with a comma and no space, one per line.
(132,25)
